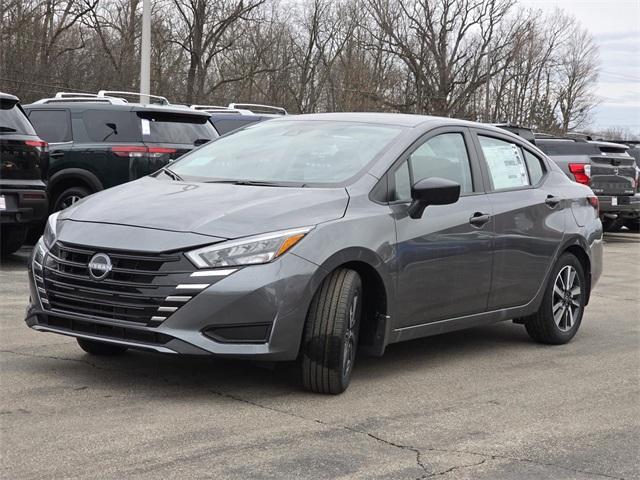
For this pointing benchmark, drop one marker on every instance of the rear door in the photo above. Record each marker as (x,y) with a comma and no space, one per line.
(613,172)
(169,135)
(528,221)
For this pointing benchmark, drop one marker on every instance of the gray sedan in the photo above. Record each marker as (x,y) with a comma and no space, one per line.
(313,236)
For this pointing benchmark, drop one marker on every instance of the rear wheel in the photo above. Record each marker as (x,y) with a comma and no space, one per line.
(560,314)
(331,333)
(70,196)
(11,239)
(100,348)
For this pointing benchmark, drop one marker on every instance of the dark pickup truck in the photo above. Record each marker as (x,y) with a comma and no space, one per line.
(607,168)
(24,159)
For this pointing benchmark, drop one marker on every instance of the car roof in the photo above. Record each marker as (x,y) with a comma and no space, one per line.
(128,107)
(398,119)
(8,96)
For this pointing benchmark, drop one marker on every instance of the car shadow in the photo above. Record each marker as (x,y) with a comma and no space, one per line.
(194,376)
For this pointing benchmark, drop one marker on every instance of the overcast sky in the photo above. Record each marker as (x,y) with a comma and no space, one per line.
(615,26)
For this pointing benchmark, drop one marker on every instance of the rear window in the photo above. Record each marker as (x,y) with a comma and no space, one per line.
(53,126)
(111,126)
(566,147)
(161,127)
(229,125)
(12,120)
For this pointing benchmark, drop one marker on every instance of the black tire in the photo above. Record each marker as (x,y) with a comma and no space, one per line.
(11,239)
(612,224)
(331,333)
(633,225)
(69,196)
(543,326)
(100,348)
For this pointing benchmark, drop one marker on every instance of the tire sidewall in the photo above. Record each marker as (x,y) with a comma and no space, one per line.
(73,191)
(356,289)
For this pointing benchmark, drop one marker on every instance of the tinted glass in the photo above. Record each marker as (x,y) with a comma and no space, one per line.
(12,120)
(535,166)
(226,126)
(443,156)
(172,128)
(507,168)
(566,147)
(290,151)
(111,126)
(52,126)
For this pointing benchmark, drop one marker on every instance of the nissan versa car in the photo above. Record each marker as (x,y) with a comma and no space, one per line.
(309,237)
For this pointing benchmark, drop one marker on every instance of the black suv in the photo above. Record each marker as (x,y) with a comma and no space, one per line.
(24,158)
(99,141)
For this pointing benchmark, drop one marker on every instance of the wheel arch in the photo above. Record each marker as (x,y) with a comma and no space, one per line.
(71,177)
(580,252)
(377,292)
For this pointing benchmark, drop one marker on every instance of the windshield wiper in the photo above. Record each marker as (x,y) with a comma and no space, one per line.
(259,183)
(171,174)
(7,129)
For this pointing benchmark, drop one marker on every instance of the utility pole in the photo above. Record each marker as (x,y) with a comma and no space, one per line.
(145,53)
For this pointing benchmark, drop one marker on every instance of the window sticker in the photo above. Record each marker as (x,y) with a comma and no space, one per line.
(146,129)
(506,165)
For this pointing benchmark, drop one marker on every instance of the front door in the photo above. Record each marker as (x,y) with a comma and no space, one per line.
(444,258)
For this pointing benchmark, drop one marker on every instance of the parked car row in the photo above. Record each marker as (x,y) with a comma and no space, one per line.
(609,168)
(89,142)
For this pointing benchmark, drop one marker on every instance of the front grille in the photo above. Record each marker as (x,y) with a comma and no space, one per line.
(138,287)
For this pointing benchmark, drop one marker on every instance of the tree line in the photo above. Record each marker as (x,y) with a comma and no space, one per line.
(488,60)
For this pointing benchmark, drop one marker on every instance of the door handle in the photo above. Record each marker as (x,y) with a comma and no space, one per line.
(479,219)
(552,201)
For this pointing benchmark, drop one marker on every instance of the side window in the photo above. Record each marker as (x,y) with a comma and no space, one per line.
(111,126)
(535,166)
(507,168)
(402,183)
(443,156)
(53,126)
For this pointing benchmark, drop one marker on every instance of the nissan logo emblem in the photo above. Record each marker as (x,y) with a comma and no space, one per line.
(99,266)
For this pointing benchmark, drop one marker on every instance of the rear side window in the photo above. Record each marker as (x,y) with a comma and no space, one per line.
(535,166)
(507,168)
(111,126)
(163,127)
(13,120)
(53,126)
(226,126)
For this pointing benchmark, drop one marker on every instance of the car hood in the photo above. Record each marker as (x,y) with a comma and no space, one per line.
(218,210)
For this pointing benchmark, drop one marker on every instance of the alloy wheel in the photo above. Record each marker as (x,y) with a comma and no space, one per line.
(567,294)
(68,201)
(349,349)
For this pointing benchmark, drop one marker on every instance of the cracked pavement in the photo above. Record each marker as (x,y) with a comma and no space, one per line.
(485,403)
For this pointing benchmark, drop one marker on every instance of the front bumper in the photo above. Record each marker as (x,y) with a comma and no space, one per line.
(25,204)
(268,301)
(627,206)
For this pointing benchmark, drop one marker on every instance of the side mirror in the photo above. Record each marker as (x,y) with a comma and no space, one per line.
(432,191)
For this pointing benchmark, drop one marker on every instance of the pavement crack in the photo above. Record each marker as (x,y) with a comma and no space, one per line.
(456,467)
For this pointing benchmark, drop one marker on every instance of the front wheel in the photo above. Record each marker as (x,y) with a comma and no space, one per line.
(331,333)
(560,314)
(69,197)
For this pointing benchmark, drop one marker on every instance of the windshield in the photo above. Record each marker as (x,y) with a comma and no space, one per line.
(289,151)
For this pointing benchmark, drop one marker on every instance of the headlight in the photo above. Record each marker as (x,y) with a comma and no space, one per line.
(49,236)
(247,251)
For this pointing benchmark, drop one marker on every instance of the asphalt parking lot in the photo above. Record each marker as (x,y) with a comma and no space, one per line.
(486,403)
